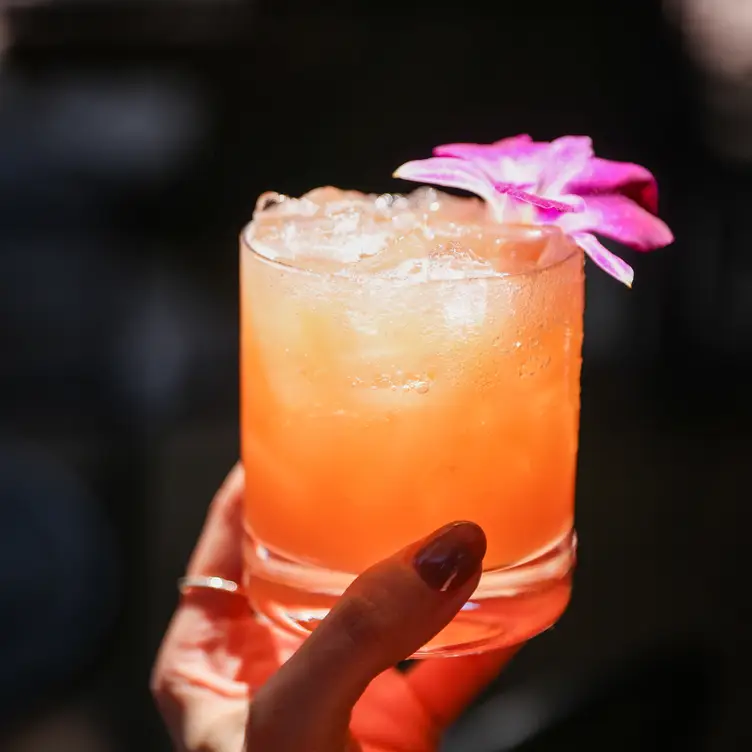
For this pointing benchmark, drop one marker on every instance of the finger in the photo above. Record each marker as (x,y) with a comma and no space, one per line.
(387,614)
(446,687)
(218,552)
(194,624)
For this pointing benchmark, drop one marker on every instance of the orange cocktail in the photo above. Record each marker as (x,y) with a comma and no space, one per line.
(408,362)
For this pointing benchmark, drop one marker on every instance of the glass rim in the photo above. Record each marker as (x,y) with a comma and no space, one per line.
(246,242)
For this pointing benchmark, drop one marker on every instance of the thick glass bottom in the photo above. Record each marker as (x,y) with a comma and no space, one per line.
(509,606)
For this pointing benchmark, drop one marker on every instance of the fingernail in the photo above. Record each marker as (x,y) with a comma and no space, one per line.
(451,556)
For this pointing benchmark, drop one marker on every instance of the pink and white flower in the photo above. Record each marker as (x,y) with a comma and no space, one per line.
(560,182)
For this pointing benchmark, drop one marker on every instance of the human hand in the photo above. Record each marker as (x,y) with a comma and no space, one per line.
(225,682)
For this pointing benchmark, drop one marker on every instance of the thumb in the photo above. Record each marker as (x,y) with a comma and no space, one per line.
(388,613)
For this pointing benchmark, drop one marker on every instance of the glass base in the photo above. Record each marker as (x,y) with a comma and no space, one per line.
(509,606)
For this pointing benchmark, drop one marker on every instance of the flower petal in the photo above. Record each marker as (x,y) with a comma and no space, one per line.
(609,262)
(543,203)
(510,160)
(566,157)
(604,176)
(451,173)
(506,146)
(620,218)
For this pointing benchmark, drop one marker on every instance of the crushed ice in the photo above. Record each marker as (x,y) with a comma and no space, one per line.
(347,233)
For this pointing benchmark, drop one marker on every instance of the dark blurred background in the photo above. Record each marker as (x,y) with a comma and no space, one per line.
(134,140)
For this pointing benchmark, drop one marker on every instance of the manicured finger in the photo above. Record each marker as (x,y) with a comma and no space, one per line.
(387,614)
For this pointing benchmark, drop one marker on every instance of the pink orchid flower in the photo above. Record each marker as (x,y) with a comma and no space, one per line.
(561,183)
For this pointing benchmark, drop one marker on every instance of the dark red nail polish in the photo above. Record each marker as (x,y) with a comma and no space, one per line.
(451,556)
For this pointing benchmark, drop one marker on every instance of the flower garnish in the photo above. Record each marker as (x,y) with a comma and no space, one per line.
(561,183)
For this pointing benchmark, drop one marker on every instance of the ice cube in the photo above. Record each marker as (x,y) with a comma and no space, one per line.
(424,199)
(464,304)
(333,200)
(396,255)
(342,233)
(349,249)
(452,261)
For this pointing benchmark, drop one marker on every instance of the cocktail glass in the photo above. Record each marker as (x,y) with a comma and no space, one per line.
(406,363)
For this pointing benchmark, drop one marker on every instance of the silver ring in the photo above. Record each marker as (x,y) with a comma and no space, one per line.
(207,583)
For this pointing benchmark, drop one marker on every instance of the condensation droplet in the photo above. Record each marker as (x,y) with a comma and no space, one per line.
(394,382)
(534,365)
